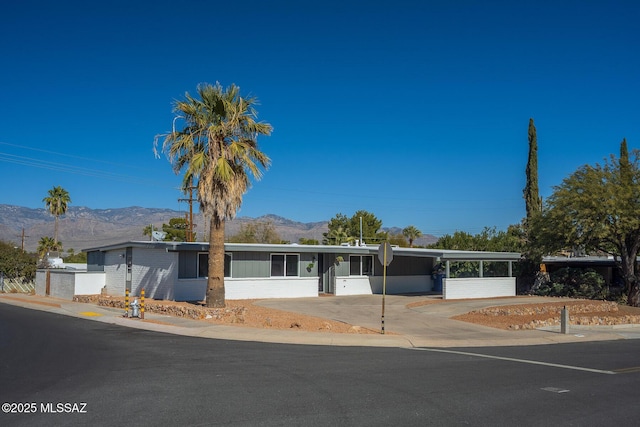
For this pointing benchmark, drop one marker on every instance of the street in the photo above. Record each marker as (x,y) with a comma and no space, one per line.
(122,376)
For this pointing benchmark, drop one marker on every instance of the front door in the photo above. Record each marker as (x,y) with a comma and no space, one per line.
(328,270)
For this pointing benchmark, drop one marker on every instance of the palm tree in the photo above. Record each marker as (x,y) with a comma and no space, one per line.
(217,148)
(411,233)
(338,236)
(56,203)
(47,244)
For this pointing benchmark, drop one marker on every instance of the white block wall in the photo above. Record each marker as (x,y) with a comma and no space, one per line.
(478,287)
(65,284)
(402,284)
(352,285)
(89,282)
(250,288)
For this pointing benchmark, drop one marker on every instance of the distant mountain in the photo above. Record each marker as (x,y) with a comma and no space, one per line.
(82,227)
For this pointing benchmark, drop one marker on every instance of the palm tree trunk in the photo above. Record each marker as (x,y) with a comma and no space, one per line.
(55,231)
(215,282)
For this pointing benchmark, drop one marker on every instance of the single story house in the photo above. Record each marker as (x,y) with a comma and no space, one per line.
(178,270)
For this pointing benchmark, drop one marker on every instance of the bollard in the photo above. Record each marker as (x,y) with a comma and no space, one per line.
(142,304)
(126,303)
(564,321)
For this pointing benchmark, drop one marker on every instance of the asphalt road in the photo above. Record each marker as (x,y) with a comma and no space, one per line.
(136,378)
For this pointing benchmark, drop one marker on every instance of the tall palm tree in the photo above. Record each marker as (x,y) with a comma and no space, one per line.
(218,149)
(411,233)
(56,203)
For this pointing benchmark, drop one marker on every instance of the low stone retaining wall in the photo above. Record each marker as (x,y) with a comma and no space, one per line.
(170,308)
(586,314)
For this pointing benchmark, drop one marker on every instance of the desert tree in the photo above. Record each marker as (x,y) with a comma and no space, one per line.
(596,208)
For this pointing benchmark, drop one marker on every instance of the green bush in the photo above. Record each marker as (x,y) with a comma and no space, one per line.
(574,283)
(16,264)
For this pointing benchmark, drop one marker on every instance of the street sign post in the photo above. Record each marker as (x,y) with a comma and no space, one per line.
(385,255)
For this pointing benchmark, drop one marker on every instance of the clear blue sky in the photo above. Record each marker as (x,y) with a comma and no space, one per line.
(416,111)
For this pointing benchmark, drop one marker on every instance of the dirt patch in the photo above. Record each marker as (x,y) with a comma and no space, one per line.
(532,316)
(237,313)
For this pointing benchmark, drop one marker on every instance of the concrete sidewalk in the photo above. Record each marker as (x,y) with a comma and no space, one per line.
(423,326)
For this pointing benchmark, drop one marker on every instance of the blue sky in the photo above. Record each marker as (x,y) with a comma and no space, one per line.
(416,111)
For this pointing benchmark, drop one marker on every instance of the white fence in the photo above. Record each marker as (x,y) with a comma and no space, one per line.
(10,286)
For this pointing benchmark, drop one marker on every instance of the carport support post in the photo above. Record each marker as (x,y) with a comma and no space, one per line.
(564,321)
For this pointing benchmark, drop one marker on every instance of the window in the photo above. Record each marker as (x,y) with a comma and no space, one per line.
(361,265)
(203,264)
(285,265)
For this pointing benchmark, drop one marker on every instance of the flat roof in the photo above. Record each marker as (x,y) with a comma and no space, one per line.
(443,254)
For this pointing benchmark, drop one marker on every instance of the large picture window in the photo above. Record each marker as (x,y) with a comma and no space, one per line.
(361,265)
(285,265)
(203,264)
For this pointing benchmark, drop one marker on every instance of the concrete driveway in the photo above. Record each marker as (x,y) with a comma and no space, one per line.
(430,324)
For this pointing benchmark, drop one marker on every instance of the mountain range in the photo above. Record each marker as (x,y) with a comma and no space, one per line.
(82,227)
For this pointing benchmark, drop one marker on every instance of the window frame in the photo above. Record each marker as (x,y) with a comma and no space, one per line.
(361,265)
(226,274)
(285,270)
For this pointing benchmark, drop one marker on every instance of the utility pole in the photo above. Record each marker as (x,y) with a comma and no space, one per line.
(23,236)
(190,235)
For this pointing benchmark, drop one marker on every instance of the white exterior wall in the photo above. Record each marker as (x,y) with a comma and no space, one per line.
(353,285)
(89,282)
(66,284)
(115,271)
(296,287)
(155,271)
(249,288)
(402,284)
(478,287)
(368,285)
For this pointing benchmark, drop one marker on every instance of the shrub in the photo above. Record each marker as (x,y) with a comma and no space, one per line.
(16,264)
(574,283)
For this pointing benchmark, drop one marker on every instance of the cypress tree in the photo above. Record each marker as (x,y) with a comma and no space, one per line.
(531,194)
(626,173)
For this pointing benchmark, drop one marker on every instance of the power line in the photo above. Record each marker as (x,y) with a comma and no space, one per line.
(62,167)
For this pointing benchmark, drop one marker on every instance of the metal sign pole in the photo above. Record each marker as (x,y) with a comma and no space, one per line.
(385,256)
(384,284)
